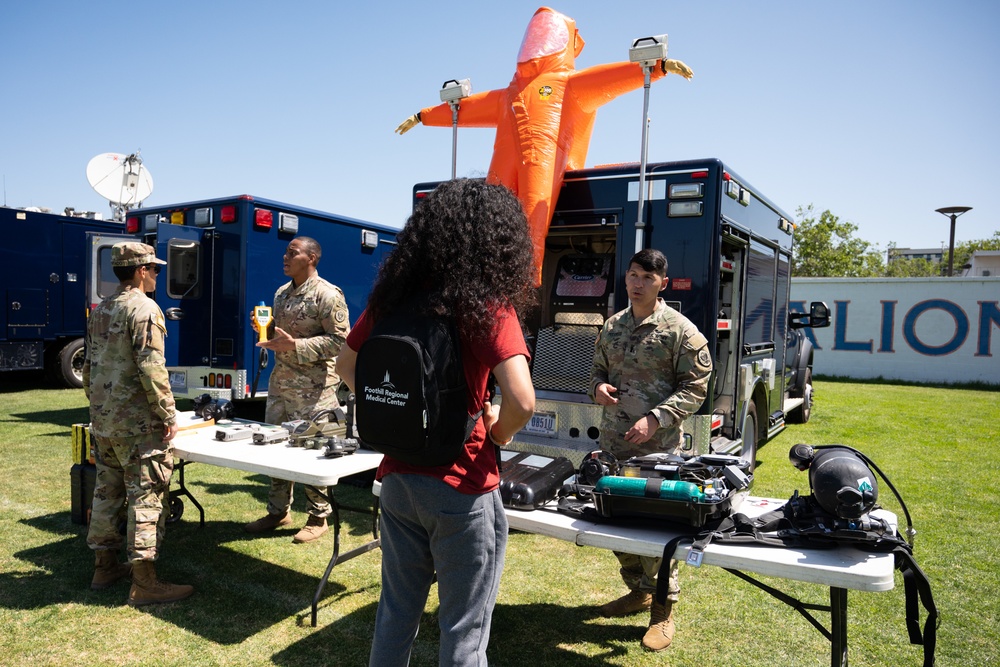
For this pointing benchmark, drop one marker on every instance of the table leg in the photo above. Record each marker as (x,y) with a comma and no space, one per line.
(837,634)
(838,627)
(184,491)
(371,545)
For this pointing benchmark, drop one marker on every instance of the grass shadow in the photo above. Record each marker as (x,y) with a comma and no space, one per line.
(64,418)
(354,501)
(236,595)
(542,633)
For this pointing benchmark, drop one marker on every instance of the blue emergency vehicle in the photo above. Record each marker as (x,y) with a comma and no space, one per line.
(728,249)
(44,314)
(224,256)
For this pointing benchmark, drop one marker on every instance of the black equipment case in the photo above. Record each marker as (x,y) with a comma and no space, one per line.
(528,481)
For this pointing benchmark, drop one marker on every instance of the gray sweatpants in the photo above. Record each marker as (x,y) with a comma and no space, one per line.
(428,527)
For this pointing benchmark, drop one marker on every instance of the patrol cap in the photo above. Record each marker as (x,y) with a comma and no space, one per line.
(133,253)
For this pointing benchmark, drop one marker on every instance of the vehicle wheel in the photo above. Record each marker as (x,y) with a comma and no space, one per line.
(68,365)
(802,413)
(749,434)
(176,510)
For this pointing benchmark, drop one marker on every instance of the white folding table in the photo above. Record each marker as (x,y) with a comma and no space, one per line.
(281,461)
(839,568)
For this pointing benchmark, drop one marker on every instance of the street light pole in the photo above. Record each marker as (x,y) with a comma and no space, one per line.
(952,212)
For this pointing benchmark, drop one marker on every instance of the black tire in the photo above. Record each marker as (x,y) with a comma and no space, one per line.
(67,367)
(749,433)
(801,414)
(176,510)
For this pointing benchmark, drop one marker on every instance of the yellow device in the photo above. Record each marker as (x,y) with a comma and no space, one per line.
(261,319)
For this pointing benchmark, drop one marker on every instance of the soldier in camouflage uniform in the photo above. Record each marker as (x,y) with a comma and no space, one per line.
(651,371)
(132,421)
(310,324)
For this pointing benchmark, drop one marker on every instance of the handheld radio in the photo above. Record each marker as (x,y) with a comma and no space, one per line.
(261,319)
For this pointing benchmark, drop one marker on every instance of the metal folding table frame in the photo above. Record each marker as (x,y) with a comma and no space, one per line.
(840,568)
(281,461)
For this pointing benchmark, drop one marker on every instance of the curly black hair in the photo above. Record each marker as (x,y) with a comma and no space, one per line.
(464,252)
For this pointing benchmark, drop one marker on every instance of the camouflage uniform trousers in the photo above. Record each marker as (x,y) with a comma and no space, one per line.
(134,473)
(639,572)
(279,499)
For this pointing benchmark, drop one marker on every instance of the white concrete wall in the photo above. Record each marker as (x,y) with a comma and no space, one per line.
(919,329)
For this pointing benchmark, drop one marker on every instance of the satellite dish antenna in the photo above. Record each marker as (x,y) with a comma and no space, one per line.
(121,179)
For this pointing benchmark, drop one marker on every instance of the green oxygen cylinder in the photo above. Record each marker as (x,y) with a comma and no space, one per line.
(669,489)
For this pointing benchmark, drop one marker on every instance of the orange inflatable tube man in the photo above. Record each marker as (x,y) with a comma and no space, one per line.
(545,117)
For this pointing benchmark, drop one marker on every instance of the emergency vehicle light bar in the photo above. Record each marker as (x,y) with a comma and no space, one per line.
(678,209)
(288,222)
(262,218)
(203,217)
(686,190)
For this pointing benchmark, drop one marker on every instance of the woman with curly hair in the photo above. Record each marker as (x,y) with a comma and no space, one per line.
(464,254)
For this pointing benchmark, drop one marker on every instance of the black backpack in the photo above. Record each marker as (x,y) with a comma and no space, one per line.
(410,391)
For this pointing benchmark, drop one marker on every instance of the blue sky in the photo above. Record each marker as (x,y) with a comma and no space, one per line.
(880,111)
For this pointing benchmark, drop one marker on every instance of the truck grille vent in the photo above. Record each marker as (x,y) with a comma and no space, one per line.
(563,356)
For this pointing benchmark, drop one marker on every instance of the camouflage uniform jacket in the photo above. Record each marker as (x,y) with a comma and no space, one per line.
(661,366)
(315,314)
(124,372)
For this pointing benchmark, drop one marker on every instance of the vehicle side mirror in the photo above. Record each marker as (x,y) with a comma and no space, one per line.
(817,317)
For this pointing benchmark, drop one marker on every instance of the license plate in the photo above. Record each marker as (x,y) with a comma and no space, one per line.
(178,380)
(542,423)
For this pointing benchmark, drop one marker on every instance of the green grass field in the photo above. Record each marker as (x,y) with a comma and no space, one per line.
(252,604)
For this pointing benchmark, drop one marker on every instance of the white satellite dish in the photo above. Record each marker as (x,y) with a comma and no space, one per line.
(121,179)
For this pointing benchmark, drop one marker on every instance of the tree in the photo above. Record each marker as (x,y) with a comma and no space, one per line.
(827,247)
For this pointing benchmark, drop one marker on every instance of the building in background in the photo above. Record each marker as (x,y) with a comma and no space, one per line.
(983,264)
(938,330)
(933,255)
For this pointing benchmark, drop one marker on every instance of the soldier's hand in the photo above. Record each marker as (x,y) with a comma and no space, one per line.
(408,124)
(170,432)
(603,394)
(676,67)
(642,430)
(281,342)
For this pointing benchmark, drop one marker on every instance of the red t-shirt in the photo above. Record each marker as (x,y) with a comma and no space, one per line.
(476,470)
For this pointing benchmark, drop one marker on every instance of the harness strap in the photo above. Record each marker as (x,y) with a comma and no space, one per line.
(918,589)
(663,575)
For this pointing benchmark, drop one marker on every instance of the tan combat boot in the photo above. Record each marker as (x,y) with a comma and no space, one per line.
(661,627)
(313,529)
(632,602)
(147,589)
(107,569)
(269,522)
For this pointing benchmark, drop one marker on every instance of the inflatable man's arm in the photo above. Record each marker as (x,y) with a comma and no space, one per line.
(479,110)
(600,84)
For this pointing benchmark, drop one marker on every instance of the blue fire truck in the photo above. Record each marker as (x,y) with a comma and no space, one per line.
(224,256)
(728,250)
(44,315)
